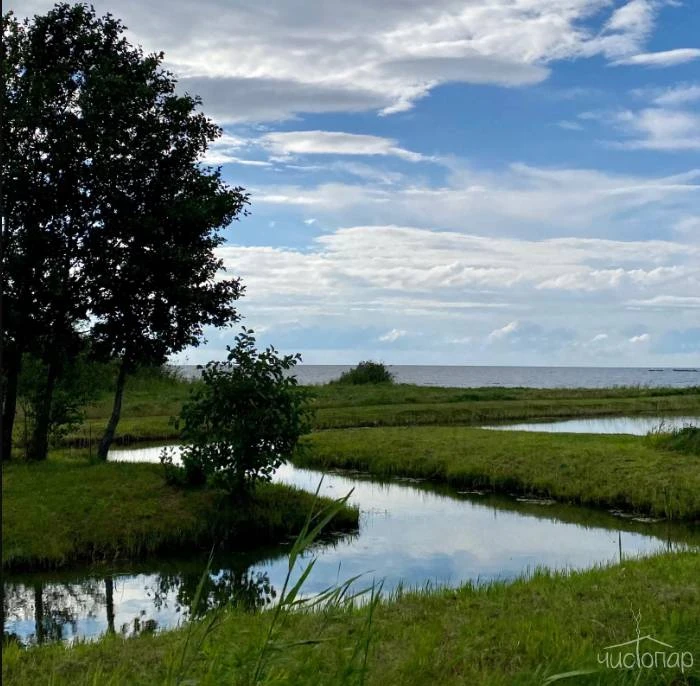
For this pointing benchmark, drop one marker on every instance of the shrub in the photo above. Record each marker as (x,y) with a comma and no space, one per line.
(367,372)
(243,420)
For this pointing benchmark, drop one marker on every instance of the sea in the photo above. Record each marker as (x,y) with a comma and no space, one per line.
(506,377)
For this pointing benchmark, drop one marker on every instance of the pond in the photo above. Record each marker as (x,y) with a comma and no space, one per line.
(411,534)
(638,426)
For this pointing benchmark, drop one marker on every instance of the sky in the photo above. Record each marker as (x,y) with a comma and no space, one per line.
(511,182)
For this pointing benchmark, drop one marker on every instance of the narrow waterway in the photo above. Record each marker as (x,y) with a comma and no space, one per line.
(411,534)
(637,426)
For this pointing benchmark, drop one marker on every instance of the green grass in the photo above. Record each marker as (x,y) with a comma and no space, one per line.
(613,471)
(499,635)
(683,440)
(67,511)
(334,395)
(152,400)
(150,404)
(410,406)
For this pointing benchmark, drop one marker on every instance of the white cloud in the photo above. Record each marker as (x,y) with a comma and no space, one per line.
(659,128)
(333,142)
(390,271)
(253,64)
(214,158)
(641,338)
(503,332)
(679,95)
(393,335)
(309,222)
(667,58)
(538,201)
(665,301)
(598,338)
(689,226)
(635,17)
(570,125)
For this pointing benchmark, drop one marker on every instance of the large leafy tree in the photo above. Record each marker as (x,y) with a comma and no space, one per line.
(45,206)
(127,244)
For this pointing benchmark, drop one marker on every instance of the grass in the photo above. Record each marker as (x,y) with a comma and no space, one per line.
(684,440)
(387,405)
(150,404)
(514,634)
(67,511)
(612,471)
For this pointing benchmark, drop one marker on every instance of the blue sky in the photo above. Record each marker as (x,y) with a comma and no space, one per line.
(453,182)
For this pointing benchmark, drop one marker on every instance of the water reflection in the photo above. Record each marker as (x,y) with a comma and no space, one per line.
(38,609)
(411,534)
(637,426)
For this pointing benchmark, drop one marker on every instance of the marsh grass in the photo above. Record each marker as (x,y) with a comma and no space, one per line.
(684,439)
(150,405)
(621,472)
(66,511)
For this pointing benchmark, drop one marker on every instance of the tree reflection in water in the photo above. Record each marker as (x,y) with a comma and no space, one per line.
(54,608)
(55,611)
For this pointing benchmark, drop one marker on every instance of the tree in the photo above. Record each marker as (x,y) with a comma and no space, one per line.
(128,249)
(45,206)
(245,418)
(82,381)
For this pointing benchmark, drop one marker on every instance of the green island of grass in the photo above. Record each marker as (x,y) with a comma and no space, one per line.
(631,473)
(63,512)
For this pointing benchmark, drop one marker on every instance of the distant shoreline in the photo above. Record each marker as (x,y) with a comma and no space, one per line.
(476,376)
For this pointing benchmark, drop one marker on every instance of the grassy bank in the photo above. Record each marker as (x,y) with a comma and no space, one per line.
(151,402)
(67,511)
(516,634)
(414,405)
(682,440)
(623,472)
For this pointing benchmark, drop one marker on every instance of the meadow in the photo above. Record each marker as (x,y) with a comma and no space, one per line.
(71,510)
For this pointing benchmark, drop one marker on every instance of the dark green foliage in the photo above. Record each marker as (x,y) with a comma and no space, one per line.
(683,440)
(366,372)
(111,220)
(156,284)
(82,382)
(244,419)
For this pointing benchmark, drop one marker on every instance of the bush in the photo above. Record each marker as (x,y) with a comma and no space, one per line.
(367,372)
(243,420)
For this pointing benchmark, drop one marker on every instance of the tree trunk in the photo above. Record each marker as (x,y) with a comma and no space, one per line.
(109,601)
(13,363)
(39,613)
(39,446)
(111,428)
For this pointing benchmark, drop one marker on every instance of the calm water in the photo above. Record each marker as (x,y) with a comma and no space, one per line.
(637,426)
(409,534)
(508,377)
